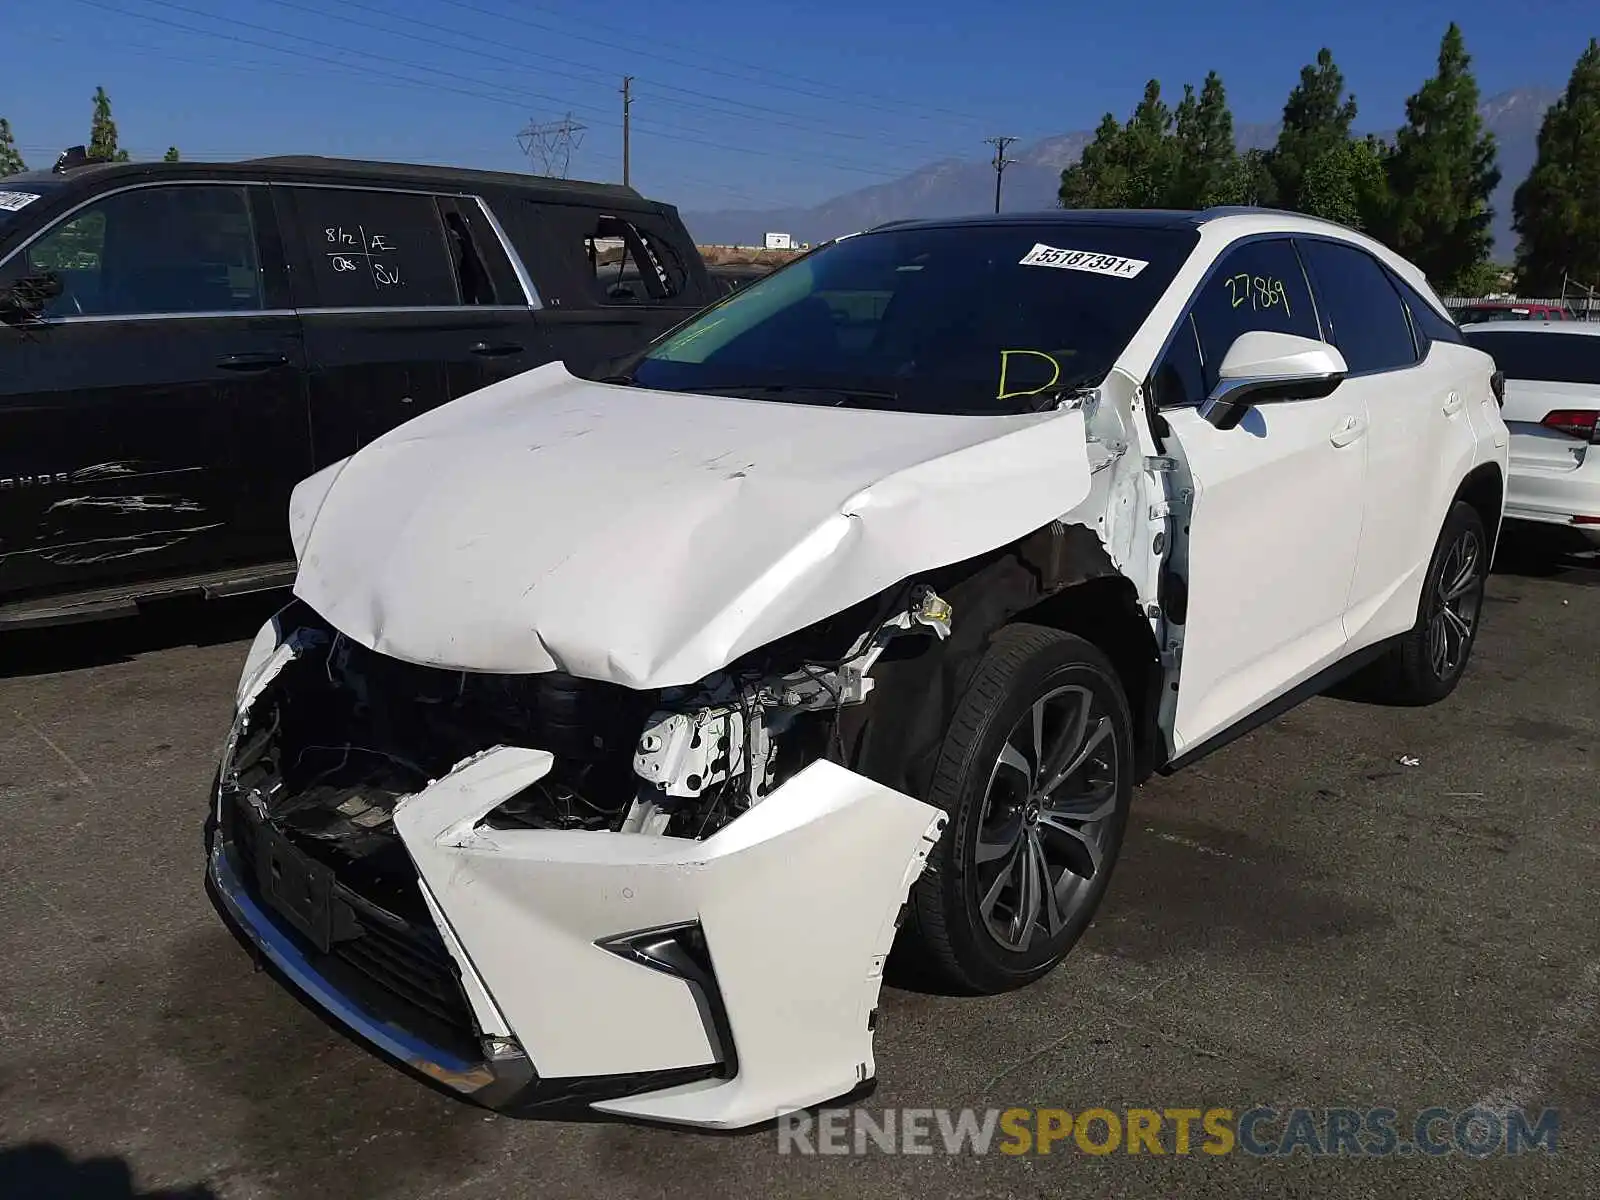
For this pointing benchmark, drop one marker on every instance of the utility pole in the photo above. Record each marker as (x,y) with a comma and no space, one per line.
(627,109)
(1001,162)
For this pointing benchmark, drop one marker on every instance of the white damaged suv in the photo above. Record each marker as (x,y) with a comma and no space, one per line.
(618,728)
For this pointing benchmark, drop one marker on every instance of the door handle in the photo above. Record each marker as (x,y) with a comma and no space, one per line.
(253,362)
(1452,404)
(1349,429)
(496,349)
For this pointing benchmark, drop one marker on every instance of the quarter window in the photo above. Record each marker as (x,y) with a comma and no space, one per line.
(629,265)
(149,251)
(1365,315)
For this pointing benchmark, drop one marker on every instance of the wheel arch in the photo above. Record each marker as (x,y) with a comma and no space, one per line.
(1484,488)
(1105,612)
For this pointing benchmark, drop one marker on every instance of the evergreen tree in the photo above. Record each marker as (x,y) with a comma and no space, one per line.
(10,158)
(1316,126)
(1442,173)
(1098,178)
(1345,183)
(171,155)
(1125,166)
(1206,171)
(1557,208)
(103,131)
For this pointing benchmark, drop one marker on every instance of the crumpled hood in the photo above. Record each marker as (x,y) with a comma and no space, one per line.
(650,538)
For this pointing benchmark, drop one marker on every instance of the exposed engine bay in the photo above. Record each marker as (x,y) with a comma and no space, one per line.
(343,733)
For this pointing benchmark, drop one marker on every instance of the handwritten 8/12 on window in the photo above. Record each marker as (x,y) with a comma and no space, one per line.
(1259,291)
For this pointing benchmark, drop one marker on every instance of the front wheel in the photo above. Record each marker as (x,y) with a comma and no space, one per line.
(1428,661)
(1036,772)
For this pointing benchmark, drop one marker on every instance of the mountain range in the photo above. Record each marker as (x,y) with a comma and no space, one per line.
(954,186)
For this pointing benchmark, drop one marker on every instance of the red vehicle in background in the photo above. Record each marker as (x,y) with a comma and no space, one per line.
(1512,310)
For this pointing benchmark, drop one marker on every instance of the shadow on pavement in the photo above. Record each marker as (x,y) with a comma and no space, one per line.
(159,626)
(1555,553)
(41,1171)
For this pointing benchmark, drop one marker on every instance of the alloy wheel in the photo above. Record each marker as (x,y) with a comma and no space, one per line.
(1457,599)
(1046,818)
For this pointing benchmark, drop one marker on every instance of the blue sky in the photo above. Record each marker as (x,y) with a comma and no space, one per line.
(736,105)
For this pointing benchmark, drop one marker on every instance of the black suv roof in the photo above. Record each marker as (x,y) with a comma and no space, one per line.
(310,166)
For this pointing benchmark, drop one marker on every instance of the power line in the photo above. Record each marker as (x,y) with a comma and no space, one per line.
(722,105)
(763,75)
(677,132)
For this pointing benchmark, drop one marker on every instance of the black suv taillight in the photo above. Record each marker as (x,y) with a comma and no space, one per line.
(1497,384)
(1575,422)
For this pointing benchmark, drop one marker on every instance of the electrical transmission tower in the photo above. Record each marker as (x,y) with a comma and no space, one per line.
(1001,162)
(550,146)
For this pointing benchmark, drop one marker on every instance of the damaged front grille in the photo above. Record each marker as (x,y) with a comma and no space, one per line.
(328,749)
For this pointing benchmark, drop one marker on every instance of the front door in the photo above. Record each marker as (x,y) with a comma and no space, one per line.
(152,423)
(1266,545)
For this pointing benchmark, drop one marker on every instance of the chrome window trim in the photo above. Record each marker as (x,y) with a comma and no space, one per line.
(117,191)
(208,314)
(524,280)
(349,310)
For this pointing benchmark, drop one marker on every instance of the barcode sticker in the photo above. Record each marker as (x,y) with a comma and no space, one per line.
(12,201)
(1083,260)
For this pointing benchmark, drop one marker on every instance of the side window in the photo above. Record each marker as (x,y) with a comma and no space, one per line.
(1181,378)
(630,265)
(369,249)
(181,249)
(1258,285)
(1367,320)
(1426,321)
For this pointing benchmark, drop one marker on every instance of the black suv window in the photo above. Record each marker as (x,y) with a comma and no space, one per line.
(177,249)
(1367,320)
(629,265)
(1542,357)
(1258,285)
(372,249)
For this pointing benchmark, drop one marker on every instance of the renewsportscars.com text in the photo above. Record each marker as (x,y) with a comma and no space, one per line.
(1261,1132)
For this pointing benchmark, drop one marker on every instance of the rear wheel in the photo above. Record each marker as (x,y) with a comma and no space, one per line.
(1036,772)
(1428,661)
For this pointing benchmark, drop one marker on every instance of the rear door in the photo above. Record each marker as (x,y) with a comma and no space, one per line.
(1420,439)
(610,280)
(1267,548)
(152,424)
(407,301)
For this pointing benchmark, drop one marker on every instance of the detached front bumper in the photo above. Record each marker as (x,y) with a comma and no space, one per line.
(714,983)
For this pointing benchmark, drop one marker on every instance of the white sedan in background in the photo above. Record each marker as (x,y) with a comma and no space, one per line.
(1552,407)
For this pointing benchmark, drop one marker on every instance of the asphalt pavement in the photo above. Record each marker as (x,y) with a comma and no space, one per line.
(1355,906)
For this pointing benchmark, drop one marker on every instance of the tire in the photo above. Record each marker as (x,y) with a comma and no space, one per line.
(1414,671)
(968,908)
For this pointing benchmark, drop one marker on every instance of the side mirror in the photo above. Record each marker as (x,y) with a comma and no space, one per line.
(1265,367)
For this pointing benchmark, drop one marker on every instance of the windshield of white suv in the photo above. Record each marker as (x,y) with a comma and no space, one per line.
(964,319)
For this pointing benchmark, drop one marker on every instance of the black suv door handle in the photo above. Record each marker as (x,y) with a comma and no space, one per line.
(253,362)
(497,350)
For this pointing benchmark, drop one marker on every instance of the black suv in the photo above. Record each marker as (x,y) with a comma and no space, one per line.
(181,343)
